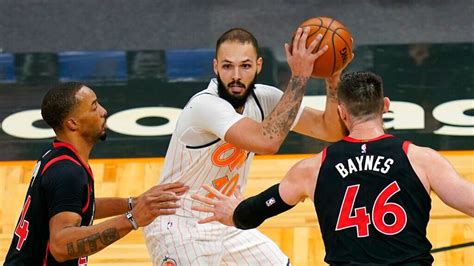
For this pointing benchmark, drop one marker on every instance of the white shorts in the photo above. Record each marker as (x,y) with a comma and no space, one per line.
(185,242)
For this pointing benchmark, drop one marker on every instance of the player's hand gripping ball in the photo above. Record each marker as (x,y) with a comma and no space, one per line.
(339,41)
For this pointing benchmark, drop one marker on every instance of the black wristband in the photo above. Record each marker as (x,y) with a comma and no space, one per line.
(251,212)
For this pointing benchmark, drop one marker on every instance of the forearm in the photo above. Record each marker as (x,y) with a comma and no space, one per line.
(253,211)
(107,207)
(333,125)
(80,241)
(277,125)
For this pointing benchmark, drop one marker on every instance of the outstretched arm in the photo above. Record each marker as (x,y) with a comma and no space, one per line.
(438,174)
(266,137)
(69,240)
(107,207)
(298,184)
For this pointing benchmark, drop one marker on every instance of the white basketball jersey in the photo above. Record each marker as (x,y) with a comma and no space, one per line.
(198,154)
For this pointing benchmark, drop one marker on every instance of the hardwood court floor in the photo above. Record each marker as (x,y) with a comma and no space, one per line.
(296,231)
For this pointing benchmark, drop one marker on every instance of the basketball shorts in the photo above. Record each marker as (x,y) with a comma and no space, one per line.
(173,240)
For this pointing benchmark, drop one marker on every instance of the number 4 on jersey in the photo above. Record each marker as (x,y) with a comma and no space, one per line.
(361,219)
(21,230)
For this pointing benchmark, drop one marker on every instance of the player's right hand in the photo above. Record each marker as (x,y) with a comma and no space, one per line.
(158,200)
(301,58)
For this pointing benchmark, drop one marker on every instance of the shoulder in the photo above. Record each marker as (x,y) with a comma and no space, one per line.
(302,177)
(422,154)
(262,90)
(207,99)
(307,168)
(64,169)
(426,161)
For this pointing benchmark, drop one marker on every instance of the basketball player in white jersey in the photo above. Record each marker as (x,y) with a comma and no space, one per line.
(215,139)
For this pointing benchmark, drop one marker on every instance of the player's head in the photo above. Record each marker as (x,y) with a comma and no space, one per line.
(361,96)
(236,65)
(73,107)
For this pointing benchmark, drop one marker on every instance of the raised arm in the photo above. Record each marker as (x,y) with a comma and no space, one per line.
(266,137)
(324,125)
(69,240)
(438,174)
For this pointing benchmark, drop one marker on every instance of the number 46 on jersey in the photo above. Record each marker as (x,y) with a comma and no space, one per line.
(361,219)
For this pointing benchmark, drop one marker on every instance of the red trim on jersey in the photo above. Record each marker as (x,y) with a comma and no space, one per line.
(406,143)
(45,259)
(59,158)
(349,139)
(323,155)
(84,209)
(58,143)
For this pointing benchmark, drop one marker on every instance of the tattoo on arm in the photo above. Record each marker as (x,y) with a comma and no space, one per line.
(332,94)
(88,245)
(281,118)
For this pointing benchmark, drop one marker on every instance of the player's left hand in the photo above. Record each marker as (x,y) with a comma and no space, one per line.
(221,206)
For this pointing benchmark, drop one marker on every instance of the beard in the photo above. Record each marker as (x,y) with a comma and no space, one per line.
(94,139)
(236,101)
(103,137)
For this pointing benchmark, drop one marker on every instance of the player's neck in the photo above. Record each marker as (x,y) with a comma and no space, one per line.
(240,110)
(366,130)
(82,148)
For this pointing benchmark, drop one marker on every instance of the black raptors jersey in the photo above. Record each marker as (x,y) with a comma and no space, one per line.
(60,182)
(371,205)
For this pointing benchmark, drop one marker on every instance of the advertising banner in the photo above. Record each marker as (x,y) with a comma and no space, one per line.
(431,88)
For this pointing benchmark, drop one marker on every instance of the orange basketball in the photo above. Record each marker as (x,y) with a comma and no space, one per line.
(339,41)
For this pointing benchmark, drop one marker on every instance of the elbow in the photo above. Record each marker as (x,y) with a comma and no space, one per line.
(60,251)
(334,130)
(59,254)
(268,149)
(470,211)
(337,136)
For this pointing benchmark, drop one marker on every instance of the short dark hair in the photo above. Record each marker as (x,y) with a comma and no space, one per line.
(237,35)
(362,93)
(58,103)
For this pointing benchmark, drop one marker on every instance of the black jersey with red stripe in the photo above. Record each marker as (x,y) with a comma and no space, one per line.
(372,207)
(61,182)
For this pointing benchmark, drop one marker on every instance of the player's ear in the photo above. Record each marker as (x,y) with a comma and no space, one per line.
(71,124)
(342,112)
(214,63)
(386,104)
(259,64)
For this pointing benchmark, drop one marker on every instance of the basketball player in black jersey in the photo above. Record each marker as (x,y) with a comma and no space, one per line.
(371,190)
(55,225)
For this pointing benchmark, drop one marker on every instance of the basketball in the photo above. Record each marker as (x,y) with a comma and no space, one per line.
(339,41)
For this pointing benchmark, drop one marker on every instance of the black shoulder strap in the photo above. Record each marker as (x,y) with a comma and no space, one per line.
(258,104)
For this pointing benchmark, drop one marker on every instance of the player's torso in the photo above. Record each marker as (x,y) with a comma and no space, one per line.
(30,244)
(196,157)
(371,205)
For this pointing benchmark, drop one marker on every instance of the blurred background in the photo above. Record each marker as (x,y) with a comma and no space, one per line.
(146,58)
(158,53)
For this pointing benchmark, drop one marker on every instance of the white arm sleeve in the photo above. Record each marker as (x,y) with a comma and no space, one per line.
(212,114)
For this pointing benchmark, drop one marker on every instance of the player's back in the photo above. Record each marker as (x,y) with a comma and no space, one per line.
(371,206)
